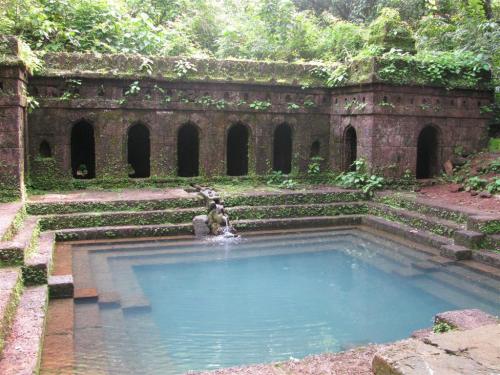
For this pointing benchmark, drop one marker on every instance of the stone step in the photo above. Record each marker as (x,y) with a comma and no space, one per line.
(11,218)
(456,252)
(492,242)
(416,235)
(11,286)
(38,264)
(105,205)
(417,220)
(21,353)
(126,231)
(119,218)
(428,207)
(468,238)
(484,223)
(296,210)
(293,198)
(185,215)
(24,242)
(131,231)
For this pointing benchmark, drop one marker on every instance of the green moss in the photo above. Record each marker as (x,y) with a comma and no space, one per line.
(9,312)
(490,227)
(288,199)
(398,216)
(246,213)
(100,219)
(102,206)
(401,201)
(16,224)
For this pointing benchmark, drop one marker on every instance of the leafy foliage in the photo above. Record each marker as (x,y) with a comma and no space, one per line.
(360,179)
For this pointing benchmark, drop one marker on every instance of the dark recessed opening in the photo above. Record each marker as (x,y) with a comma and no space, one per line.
(350,149)
(100,91)
(1,86)
(315,148)
(44,150)
(282,155)
(427,153)
(237,150)
(188,151)
(83,150)
(138,151)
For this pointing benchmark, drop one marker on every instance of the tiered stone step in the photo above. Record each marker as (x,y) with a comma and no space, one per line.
(10,290)
(434,224)
(13,252)
(37,265)
(22,347)
(293,198)
(113,202)
(185,215)
(471,230)
(130,231)
(11,218)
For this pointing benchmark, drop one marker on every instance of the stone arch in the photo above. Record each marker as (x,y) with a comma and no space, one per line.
(428,164)
(237,147)
(350,145)
(83,150)
(282,148)
(44,150)
(139,151)
(188,150)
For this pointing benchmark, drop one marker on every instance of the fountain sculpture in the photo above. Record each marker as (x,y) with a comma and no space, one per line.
(216,222)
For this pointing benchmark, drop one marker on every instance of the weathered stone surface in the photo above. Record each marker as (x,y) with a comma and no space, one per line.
(200,226)
(456,252)
(21,352)
(61,286)
(466,319)
(468,238)
(421,333)
(482,345)
(414,357)
(485,194)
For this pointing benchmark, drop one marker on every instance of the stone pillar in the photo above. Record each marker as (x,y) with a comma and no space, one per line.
(12,121)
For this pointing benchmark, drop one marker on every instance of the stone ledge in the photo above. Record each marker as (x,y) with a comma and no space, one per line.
(468,238)
(23,346)
(37,267)
(466,319)
(406,231)
(456,252)
(61,286)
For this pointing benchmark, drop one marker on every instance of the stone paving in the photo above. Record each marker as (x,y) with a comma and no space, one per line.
(125,194)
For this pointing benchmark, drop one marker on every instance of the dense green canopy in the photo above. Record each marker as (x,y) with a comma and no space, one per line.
(328,30)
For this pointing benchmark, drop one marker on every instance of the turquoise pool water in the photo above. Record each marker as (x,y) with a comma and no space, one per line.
(188,305)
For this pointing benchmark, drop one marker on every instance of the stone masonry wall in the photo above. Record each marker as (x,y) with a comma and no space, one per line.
(112,112)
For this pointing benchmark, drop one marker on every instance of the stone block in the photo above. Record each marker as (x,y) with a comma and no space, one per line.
(61,286)
(200,226)
(456,252)
(468,238)
(466,319)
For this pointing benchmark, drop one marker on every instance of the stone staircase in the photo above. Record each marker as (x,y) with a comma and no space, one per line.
(28,235)
(25,262)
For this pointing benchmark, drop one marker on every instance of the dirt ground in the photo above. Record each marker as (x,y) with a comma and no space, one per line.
(442,194)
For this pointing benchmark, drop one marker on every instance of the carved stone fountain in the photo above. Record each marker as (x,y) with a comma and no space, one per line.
(216,222)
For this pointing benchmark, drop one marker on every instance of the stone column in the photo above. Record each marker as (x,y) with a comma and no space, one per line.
(12,121)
